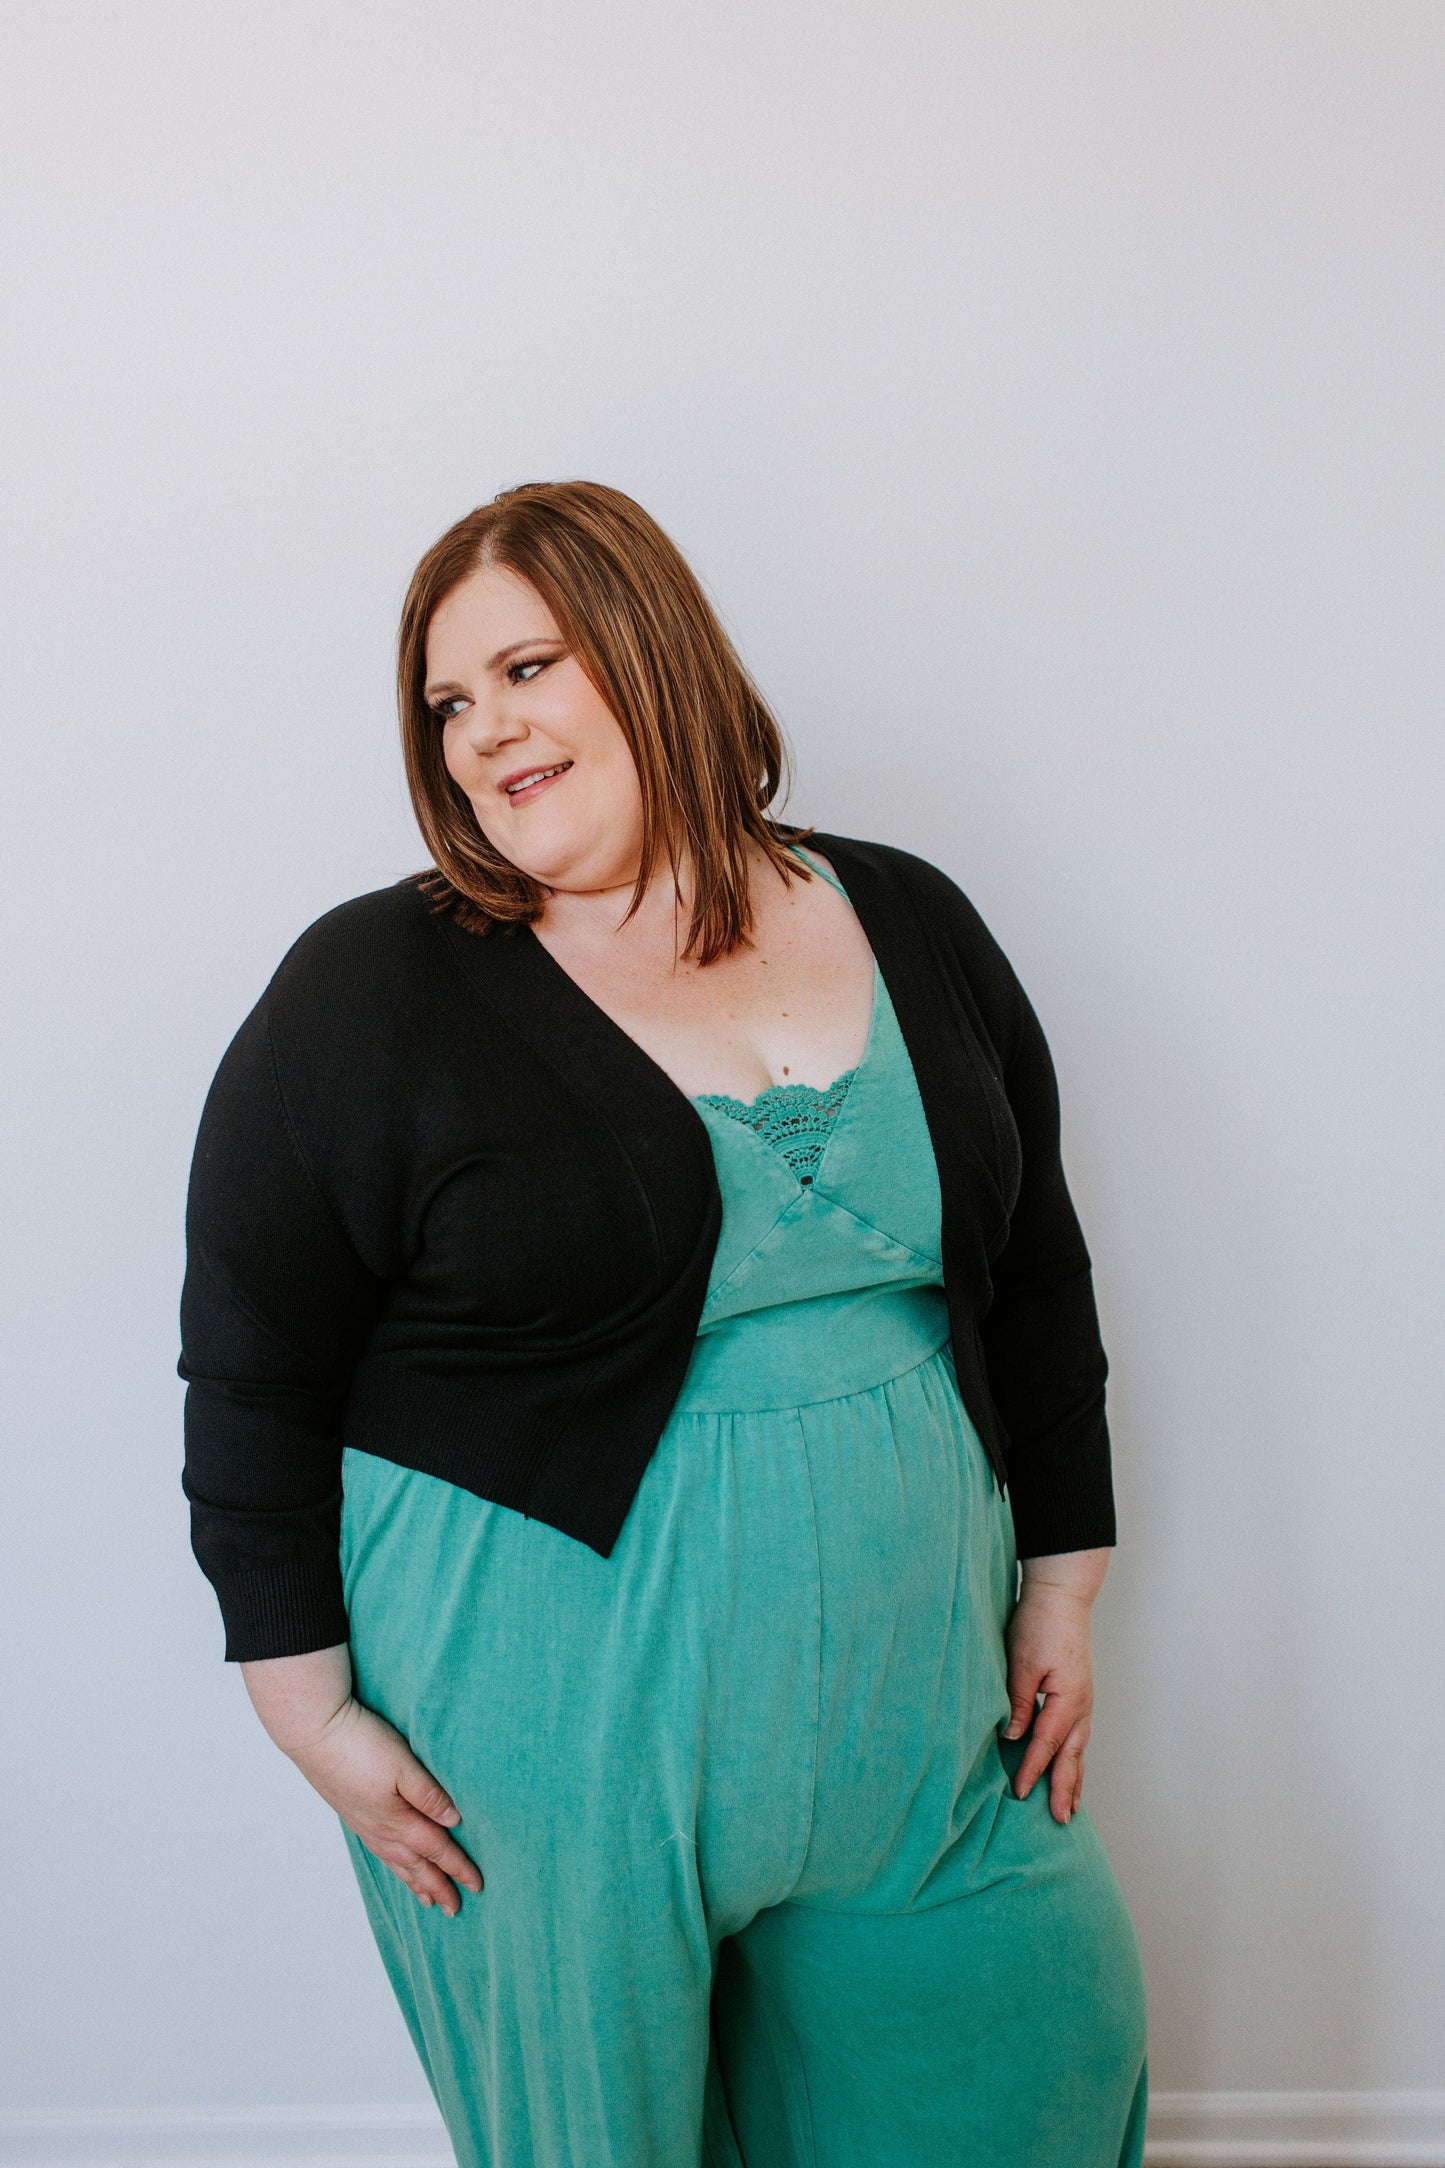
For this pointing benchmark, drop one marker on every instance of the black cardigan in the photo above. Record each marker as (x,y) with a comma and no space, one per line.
(443,1209)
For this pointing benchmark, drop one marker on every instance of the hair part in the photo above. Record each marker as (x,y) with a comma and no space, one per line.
(711,758)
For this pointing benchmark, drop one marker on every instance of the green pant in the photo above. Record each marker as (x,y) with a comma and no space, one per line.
(756,1888)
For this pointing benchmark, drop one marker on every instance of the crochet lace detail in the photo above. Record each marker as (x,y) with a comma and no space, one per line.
(795,1119)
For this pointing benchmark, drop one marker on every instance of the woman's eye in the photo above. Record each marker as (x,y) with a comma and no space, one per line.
(522,673)
(442,709)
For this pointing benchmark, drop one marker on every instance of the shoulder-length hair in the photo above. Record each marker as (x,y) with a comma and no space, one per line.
(710,756)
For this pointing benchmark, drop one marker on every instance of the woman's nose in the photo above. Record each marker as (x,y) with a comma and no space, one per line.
(488,725)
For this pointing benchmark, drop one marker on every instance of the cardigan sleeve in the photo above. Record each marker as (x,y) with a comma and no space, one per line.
(275,1308)
(1040,1333)
(1046,1361)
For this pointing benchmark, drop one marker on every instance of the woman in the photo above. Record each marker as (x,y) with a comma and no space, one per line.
(635,1324)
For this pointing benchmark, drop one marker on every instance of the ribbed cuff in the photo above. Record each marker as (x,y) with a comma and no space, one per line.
(283,1610)
(1066,1507)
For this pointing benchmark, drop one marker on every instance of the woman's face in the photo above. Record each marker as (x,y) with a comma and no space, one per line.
(513,706)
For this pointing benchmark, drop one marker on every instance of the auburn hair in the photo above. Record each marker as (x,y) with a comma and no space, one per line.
(711,758)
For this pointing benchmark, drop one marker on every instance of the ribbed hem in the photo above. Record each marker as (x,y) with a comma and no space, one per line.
(285,1610)
(454,1426)
(1068,1507)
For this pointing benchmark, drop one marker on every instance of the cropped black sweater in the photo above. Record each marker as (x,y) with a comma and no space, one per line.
(443,1209)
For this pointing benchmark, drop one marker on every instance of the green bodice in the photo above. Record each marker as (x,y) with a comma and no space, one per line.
(828,1273)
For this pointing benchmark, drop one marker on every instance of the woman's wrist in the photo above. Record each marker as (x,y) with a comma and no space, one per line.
(300,1699)
(1073,1574)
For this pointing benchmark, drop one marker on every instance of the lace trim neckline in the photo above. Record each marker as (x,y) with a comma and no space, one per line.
(795,1119)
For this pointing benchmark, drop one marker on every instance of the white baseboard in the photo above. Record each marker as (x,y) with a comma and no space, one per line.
(1296,2130)
(1186,2130)
(410,2137)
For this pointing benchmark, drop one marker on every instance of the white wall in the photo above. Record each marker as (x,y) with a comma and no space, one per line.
(1051,395)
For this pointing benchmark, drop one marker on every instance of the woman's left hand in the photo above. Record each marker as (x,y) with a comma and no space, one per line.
(1047,1639)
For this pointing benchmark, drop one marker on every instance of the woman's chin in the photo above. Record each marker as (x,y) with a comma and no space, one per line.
(560,861)
(551,851)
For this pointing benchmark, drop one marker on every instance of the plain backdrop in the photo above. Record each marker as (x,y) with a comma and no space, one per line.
(1050,397)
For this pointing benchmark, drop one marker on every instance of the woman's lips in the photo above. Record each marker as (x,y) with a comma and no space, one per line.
(529,791)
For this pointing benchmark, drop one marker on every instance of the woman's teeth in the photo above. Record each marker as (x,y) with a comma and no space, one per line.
(538,775)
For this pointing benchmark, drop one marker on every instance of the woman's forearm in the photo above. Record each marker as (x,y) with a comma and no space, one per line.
(1071,1573)
(298,1697)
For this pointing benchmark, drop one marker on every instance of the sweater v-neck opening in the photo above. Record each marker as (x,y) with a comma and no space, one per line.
(620,1032)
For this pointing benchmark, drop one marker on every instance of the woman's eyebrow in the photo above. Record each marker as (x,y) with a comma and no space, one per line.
(540,639)
(543,639)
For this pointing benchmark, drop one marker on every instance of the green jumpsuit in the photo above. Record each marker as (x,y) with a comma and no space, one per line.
(757,1891)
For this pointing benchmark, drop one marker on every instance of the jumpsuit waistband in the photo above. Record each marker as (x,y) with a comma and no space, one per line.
(859,1339)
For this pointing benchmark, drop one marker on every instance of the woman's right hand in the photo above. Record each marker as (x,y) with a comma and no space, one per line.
(364,1769)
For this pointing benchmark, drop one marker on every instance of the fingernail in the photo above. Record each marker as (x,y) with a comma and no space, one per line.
(451,1817)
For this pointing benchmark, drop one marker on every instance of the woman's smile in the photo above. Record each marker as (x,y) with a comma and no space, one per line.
(525,784)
